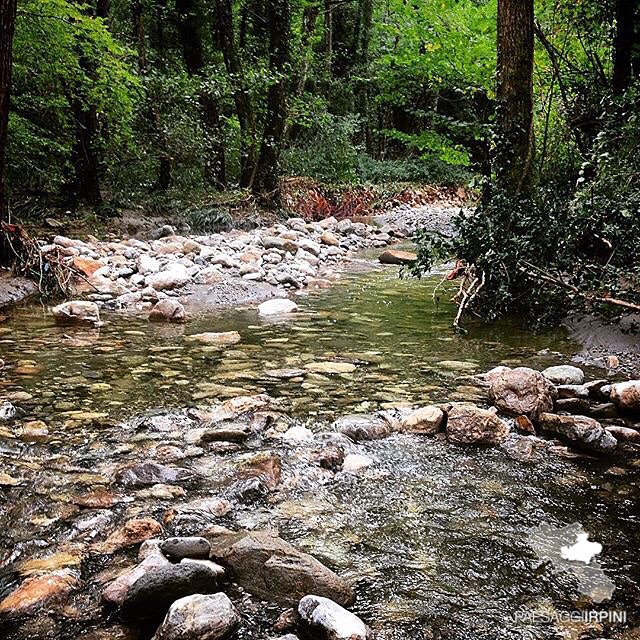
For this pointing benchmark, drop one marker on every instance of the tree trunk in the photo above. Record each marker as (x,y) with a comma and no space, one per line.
(241,97)
(361,60)
(514,109)
(623,44)
(7,27)
(86,186)
(268,173)
(215,160)
(328,37)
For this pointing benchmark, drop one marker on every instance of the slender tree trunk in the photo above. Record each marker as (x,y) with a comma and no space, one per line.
(514,110)
(188,27)
(328,37)
(7,27)
(86,163)
(624,40)
(241,97)
(361,60)
(268,173)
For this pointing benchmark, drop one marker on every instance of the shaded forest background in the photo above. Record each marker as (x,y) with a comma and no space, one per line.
(179,105)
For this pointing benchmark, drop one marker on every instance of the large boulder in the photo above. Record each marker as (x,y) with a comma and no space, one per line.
(274,570)
(155,591)
(81,312)
(522,391)
(327,620)
(468,424)
(626,396)
(199,617)
(579,431)
(564,374)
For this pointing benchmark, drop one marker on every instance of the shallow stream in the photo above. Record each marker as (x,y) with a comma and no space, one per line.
(433,537)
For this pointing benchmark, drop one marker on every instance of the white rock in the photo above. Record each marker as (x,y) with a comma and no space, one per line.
(298,434)
(176,275)
(333,621)
(77,312)
(355,461)
(277,306)
(146,264)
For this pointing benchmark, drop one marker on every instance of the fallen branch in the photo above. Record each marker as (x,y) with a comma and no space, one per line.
(537,273)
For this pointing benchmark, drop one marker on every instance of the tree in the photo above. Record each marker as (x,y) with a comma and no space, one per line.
(192,49)
(514,112)
(624,42)
(267,174)
(7,27)
(241,97)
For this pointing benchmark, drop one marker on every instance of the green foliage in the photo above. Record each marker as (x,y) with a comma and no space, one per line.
(325,150)
(209,220)
(63,54)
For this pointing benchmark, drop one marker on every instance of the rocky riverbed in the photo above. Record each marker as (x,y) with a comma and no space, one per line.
(353,468)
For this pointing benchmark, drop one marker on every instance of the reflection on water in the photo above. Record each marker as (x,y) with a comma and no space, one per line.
(434,537)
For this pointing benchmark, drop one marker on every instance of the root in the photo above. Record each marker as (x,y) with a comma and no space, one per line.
(24,256)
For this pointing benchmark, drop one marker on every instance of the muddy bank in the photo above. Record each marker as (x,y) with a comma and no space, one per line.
(611,344)
(14,289)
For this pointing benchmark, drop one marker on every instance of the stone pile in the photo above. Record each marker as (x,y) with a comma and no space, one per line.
(135,273)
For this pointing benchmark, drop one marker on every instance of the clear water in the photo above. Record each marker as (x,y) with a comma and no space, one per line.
(432,536)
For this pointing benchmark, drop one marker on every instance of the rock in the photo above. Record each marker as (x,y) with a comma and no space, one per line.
(331,457)
(222,339)
(133,532)
(604,411)
(331,367)
(361,427)
(626,396)
(115,593)
(34,431)
(468,424)
(284,244)
(564,374)
(153,593)
(624,434)
(168,310)
(49,590)
(327,620)
(520,448)
(176,275)
(391,256)
(277,306)
(199,617)
(329,238)
(298,433)
(595,389)
(147,264)
(355,462)
(87,266)
(146,474)
(345,226)
(77,312)
(187,547)
(579,431)
(573,405)
(310,246)
(7,411)
(274,570)
(425,420)
(569,391)
(525,426)
(522,391)
(286,374)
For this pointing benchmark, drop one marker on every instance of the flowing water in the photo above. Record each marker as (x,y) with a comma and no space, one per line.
(433,537)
